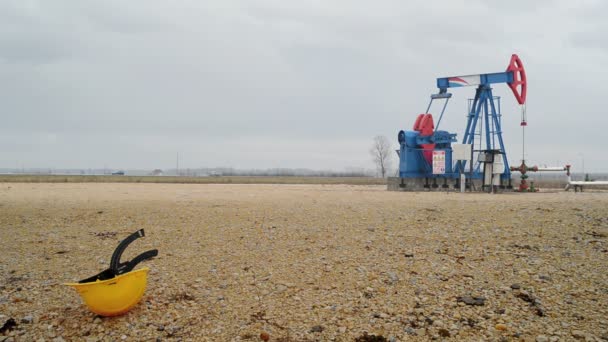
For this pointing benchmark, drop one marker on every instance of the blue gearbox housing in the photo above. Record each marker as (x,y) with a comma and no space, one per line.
(414,152)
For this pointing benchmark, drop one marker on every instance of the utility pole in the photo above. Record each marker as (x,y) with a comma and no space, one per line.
(583,164)
(177,165)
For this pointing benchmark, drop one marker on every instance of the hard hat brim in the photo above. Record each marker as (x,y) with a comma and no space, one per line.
(114,296)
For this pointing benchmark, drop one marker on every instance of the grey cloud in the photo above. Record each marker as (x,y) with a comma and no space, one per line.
(270,83)
(596,39)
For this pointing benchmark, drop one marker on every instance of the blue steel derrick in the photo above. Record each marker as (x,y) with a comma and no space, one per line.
(483,128)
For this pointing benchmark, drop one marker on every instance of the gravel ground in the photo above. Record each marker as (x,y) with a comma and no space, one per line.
(307,263)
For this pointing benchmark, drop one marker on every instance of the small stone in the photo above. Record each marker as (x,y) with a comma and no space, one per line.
(542,338)
(9,325)
(409,255)
(517,287)
(97,320)
(392,278)
(172,330)
(264,336)
(410,331)
(443,332)
(469,300)
(317,328)
(123,337)
(540,311)
(341,330)
(58,339)
(501,326)
(29,319)
(371,229)
(578,334)
(281,288)
(525,296)
(371,338)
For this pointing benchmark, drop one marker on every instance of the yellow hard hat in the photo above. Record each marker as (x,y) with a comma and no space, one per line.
(116,290)
(114,296)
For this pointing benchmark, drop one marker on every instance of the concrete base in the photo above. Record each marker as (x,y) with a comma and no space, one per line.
(433,184)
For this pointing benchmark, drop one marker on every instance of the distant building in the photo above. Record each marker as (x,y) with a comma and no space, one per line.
(157,172)
(118,173)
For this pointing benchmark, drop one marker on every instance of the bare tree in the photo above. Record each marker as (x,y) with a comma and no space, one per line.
(381,154)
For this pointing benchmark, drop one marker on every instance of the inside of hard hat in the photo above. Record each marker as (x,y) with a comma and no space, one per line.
(116,267)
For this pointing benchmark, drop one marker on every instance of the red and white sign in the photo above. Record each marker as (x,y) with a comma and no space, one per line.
(438,162)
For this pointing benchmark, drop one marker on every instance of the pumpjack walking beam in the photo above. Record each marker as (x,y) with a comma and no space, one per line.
(514,76)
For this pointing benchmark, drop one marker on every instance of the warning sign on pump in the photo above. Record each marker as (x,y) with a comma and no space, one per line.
(438,162)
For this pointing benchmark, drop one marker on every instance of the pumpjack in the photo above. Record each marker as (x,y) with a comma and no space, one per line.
(426,152)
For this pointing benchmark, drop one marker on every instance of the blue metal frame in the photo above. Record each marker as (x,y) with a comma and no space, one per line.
(483,104)
(443,95)
(485,79)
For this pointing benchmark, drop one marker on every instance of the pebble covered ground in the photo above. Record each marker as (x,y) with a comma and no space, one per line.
(307,263)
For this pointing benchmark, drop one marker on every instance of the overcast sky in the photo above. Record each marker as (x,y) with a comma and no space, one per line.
(277,83)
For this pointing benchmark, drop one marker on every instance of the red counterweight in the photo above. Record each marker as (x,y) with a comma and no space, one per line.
(426,126)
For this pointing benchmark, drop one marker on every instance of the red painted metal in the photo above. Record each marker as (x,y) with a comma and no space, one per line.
(417,122)
(426,126)
(519,79)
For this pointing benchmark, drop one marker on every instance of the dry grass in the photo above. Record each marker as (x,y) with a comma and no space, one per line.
(189,180)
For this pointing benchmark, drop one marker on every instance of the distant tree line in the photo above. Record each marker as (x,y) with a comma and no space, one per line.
(281,172)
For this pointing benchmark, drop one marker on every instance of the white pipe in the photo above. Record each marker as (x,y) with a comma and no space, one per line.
(551,168)
(581,183)
(547,168)
(589,183)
